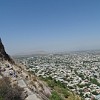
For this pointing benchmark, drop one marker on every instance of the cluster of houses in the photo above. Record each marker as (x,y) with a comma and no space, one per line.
(79,71)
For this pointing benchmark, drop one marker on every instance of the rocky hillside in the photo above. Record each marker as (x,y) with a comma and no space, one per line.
(33,89)
(3,54)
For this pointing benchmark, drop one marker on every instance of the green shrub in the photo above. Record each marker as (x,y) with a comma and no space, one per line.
(55,96)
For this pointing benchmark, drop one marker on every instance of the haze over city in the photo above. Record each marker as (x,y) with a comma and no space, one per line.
(49,25)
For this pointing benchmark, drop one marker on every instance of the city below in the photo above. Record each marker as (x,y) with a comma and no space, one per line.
(79,71)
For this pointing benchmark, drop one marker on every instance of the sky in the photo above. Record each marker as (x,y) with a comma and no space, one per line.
(27,26)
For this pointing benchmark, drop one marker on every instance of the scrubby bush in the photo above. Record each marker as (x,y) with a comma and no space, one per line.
(7,92)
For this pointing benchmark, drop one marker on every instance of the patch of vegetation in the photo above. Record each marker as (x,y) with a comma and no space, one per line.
(55,96)
(94,81)
(81,86)
(7,92)
(58,88)
(95,93)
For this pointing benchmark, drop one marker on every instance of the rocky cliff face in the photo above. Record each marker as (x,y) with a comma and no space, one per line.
(3,54)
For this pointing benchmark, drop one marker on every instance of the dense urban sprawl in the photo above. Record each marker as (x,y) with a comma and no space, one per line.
(80,71)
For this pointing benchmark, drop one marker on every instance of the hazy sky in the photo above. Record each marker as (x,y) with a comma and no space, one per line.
(49,25)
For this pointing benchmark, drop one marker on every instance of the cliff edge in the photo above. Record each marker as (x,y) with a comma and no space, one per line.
(3,54)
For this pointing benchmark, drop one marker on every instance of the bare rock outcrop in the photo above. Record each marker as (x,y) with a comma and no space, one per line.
(4,55)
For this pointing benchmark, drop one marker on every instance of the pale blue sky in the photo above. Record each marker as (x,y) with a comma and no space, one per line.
(49,25)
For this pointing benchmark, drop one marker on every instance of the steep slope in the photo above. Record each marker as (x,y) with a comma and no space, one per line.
(3,54)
